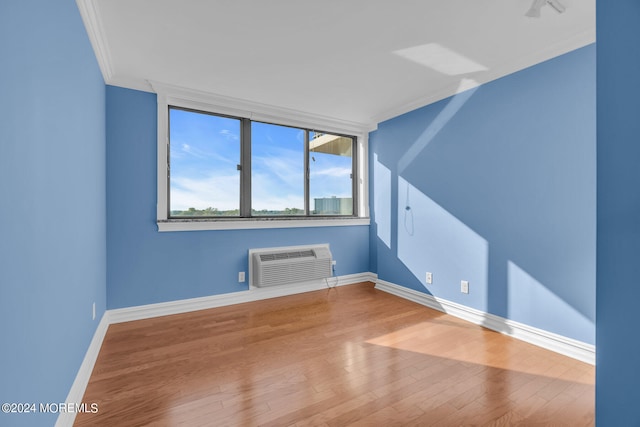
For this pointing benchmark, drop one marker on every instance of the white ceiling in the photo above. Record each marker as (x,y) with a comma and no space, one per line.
(361,61)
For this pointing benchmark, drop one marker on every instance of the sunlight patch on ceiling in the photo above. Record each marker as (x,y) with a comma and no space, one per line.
(441,59)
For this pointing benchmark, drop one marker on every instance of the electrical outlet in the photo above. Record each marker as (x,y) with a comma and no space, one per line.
(464,286)
(241,276)
(94,311)
(429,278)
(334,262)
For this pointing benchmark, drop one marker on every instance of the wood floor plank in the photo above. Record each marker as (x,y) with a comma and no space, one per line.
(350,355)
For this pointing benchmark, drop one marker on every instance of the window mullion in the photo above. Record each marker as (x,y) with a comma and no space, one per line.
(167,144)
(245,168)
(306,173)
(354,176)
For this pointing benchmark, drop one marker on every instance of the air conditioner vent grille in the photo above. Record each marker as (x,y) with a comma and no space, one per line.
(287,255)
(278,266)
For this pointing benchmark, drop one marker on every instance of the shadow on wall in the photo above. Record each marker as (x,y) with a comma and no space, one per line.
(496,186)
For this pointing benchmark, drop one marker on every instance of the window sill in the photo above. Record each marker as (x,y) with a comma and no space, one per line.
(255,223)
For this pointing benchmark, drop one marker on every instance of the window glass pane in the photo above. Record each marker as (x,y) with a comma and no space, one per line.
(277,170)
(204,152)
(330,169)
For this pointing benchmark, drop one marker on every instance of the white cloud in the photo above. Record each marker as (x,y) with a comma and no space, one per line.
(277,183)
(273,193)
(278,203)
(220,192)
(337,172)
(286,165)
(186,148)
(183,150)
(229,134)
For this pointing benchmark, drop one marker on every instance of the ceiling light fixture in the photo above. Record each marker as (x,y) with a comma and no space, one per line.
(534,11)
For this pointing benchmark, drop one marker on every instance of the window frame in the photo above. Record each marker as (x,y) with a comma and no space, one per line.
(249,112)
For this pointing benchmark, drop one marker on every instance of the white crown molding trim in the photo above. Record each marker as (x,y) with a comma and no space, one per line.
(256,110)
(76,393)
(130,83)
(90,13)
(193,304)
(541,338)
(582,39)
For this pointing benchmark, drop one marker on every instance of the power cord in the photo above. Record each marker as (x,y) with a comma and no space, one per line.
(333,270)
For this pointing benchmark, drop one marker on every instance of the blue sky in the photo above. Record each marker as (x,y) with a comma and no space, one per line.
(205,150)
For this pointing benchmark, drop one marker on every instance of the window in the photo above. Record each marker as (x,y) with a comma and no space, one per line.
(331,174)
(204,152)
(224,167)
(226,163)
(277,170)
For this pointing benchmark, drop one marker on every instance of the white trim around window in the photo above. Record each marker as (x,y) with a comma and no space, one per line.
(180,97)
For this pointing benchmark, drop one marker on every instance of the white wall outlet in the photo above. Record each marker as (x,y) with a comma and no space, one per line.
(464,286)
(94,311)
(334,262)
(429,278)
(241,276)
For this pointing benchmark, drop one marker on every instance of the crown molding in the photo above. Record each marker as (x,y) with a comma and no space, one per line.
(258,111)
(90,13)
(580,40)
(92,19)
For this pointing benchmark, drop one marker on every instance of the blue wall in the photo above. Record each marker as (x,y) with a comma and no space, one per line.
(496,186)
(145,266)
(618,266)
(52,188)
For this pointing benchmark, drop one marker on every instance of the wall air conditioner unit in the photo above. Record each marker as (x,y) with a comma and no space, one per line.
(295,264)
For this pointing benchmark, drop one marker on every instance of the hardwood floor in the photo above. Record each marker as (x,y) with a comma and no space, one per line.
(351,355)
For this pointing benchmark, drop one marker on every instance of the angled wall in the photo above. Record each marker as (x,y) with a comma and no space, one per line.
(496,186)
(618,252)
(53,215)
(146,266)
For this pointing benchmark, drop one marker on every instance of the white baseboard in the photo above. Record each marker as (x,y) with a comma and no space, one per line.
(76,393)
(193,304)
(560,344)
(183,306)
(541,338)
